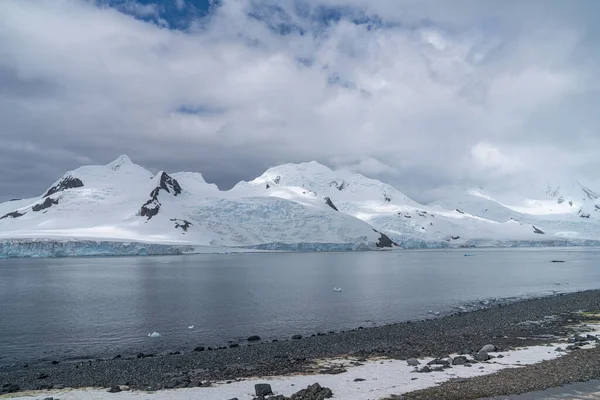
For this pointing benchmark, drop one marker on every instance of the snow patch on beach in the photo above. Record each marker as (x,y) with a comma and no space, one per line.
(382,378)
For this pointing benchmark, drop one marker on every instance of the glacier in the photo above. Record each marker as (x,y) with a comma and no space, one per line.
(122,209)
(39,248)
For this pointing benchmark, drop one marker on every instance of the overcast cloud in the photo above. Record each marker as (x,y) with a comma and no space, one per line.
(421,94)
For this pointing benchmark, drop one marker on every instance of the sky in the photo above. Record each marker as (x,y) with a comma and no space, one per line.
(425,95)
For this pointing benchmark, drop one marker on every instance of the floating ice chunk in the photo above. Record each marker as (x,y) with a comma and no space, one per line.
(433,312)
(154,335)
(337,289)
(191,327)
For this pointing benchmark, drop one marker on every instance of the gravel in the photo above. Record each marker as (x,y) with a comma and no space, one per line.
(506,326)
(581,365)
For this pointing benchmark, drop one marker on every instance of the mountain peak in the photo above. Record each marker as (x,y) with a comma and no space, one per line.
(119,162)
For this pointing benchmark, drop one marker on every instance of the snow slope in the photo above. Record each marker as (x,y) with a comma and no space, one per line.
(470,218)
(123,202)
(125,209)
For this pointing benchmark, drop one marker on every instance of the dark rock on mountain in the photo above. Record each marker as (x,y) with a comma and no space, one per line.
(182,223)
(277,180)
(48,202)
(387,198)
(455,237)
(253,338)
(459,211)
(339,185)
(169,184)
(330,203)
(384,241)
(68,182)
(152,206)
(538,231)
(14,214)
(267,186)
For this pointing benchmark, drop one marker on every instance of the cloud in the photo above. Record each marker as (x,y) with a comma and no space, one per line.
(413,92)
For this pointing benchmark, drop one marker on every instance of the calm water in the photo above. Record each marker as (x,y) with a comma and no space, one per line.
(78,308)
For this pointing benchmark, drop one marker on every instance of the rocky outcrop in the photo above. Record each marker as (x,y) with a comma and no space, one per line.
(170,185)
(48,202)
(339,185)
(14,214)
(330,203)
(181,223)
(538,231)
(68,182)
(384,241)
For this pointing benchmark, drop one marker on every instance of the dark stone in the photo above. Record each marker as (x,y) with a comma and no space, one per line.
(313,392)
(14,214)
(297,337)
(359,379)
(263,389)
(233,345)
(330,203)
(67,183)
(170,185)
(413,362)
(538,231)
(455,237)
(384,241)
(114,389)
(199,348)
(151,207)
(424,369)
(55,362)
(482,356)
(339,185)
(43,375)
(117,357)
(181,223)
(48,202)
(333,371)
(459,211)
(253,338)
(558,261)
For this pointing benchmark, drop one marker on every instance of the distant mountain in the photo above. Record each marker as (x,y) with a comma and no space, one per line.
(122,201)
(303,206)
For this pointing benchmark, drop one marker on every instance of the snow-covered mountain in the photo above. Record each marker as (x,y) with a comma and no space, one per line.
(125,209)
(123,202)
(469,218)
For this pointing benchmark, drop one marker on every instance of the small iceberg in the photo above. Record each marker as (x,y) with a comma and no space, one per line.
(433,312)
(337,289)
(191,327)
(154,335)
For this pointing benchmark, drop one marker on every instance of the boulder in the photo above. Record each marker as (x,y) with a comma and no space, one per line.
(263,389)
(488,348)
(413,362)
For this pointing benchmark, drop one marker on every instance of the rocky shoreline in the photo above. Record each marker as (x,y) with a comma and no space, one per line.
(522,323)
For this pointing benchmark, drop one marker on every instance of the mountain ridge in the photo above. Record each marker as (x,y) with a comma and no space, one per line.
(291,206)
